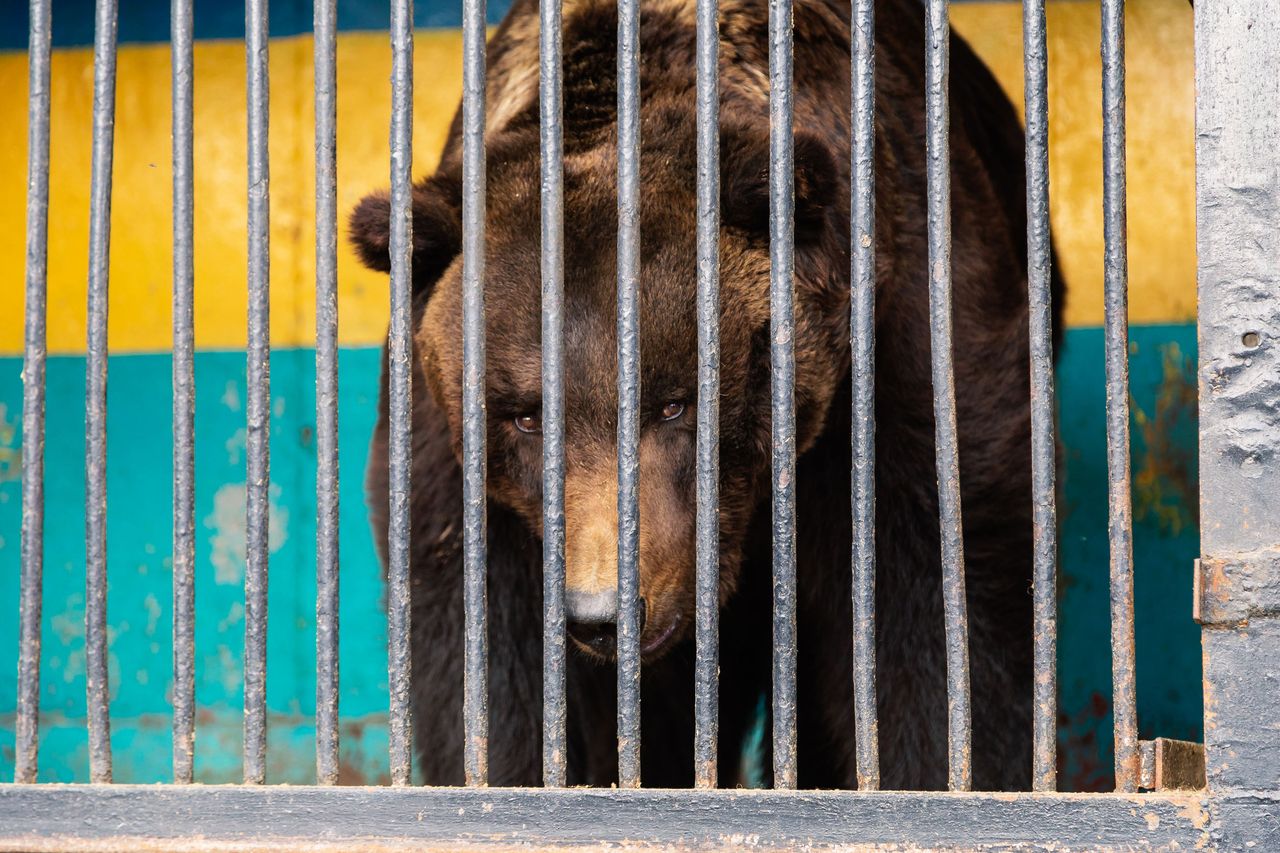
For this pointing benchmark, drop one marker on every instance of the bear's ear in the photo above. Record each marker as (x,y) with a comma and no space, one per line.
(744,180)
(437,230)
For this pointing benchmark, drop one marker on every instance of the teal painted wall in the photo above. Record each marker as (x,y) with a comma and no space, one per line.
(139,609)
(1166,540)
(139,550)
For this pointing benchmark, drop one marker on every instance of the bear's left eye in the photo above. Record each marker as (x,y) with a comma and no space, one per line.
(529,423)
(672,410)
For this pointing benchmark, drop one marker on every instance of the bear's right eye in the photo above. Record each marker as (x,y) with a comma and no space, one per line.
(529,423)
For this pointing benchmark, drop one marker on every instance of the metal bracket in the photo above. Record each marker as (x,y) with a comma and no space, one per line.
(1171,765)
(1229,591)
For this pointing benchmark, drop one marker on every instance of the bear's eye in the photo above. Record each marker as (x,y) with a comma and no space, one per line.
(529,423)
(672,410)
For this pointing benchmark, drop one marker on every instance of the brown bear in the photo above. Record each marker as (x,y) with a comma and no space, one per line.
(991,363)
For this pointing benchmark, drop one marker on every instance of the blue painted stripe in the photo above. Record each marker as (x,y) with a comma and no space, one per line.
(139,542)
(148,20)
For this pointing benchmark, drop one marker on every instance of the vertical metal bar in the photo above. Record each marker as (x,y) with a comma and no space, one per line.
(184,536)
(400,350)
(863,348)
(258,405)
(628,393)
(707,606)
(551,110)
(1116,296)
(474,499)
(27,725)
(782,385)
(937,59)
(1044,773)
(95,614)
(326,94)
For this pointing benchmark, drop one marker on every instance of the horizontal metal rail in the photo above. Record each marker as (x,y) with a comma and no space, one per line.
(121,817)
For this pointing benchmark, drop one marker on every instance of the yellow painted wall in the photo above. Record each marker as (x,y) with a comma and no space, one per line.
(1160,67)
(1160,146)
(141,219)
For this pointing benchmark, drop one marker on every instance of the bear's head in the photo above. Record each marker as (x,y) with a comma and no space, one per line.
(668,341)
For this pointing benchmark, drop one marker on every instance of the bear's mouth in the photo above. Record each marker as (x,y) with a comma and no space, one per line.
(658,642)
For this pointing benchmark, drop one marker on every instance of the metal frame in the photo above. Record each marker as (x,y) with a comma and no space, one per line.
(86,816)
(1238,578)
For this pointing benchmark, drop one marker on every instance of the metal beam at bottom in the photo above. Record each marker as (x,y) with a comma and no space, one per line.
(133,817)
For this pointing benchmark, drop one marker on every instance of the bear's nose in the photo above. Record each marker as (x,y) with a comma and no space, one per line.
(590,607)
(600,637)
(591,620)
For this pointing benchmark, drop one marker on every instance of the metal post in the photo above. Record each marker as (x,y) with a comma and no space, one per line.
(862,313)
(1044,772)
(27,723)
(782,385)
(707,605)
(399,385)
(326,94)
(474,500)
(1238,246)
(184,406)
(551,111)
(1120,517)
(628,393)
(95,614)
(258,404)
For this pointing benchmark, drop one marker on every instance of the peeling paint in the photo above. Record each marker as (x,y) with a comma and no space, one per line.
(1165,484)
(235,445)
(231,396)
(10,448)
(227,521)
(152,605)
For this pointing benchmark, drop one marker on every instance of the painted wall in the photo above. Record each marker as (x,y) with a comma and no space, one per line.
(1162,266)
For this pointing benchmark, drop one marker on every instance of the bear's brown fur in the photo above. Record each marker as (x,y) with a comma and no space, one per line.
(991,358)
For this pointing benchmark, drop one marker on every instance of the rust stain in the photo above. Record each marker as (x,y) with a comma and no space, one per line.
(1078,735)
(1165,487)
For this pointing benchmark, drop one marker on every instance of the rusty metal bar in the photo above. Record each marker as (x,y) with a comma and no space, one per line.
(707,548)
(862,312)
(1116,297)
(258,401)
(1044,772)
(95,612)
(782,385)
(959,717)
(629,626)
(474,500)
(184,404)
(551,130)
(326,110)
(35,351)
(399,388)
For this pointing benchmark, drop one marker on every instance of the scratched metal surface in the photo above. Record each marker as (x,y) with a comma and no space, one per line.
(514,819)
(1238,200)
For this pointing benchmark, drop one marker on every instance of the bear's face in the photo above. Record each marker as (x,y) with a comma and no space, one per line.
(668,347)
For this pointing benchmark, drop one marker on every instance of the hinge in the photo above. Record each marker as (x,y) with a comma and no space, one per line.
(1231,590)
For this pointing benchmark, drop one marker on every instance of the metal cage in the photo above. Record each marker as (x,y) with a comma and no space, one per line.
(1238,576)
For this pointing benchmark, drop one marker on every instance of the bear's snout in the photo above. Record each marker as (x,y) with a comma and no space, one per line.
(591,560)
